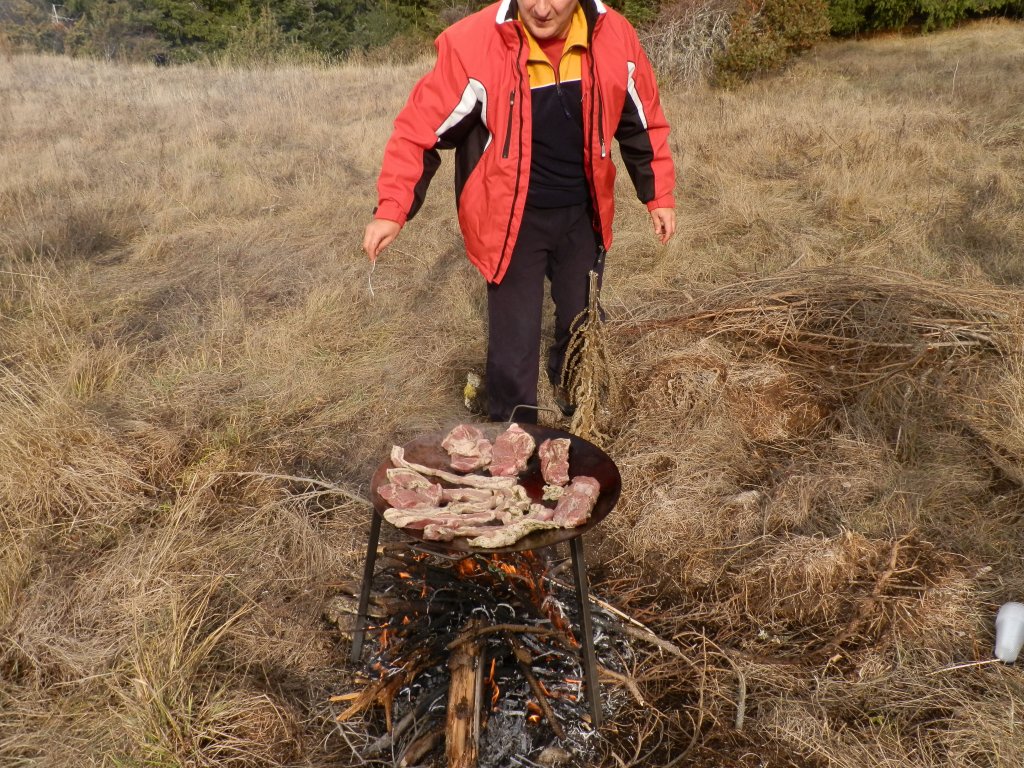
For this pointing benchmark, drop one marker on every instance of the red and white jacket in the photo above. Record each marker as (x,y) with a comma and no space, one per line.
(476,100)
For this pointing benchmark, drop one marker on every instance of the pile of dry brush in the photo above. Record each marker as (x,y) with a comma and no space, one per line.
(821,470)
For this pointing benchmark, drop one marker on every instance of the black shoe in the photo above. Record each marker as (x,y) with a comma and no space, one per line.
(565,405)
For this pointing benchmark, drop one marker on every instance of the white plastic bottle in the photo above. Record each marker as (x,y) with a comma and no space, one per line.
(1009,631)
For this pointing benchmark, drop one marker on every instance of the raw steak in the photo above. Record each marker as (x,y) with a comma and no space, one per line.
(577,502)
(409,490)
(512,450)
(468,448)
(554,460)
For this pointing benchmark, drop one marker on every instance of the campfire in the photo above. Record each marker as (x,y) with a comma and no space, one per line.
(478,657)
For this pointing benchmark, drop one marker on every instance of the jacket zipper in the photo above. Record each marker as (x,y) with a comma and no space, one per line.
(508,134)
(595,93)
(506,251)
(556,70)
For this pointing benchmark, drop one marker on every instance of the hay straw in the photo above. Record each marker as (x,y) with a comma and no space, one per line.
(965,665)
(853,328)
(587,374)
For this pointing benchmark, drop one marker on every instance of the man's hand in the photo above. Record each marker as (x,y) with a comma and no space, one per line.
(664,220)
(379,235)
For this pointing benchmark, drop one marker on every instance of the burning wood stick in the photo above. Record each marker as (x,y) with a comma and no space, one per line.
(419,748)
(632,627)
(382,692)
(525,661)
(380,606)
(425,702)
(510,629)
(461,748)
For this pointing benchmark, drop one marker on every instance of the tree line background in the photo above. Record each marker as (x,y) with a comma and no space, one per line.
(737,37)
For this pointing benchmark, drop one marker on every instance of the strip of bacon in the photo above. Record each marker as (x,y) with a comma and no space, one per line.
(420,519)
(469,481)
(506,535)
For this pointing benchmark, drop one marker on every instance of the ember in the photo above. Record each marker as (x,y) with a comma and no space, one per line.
(484,643)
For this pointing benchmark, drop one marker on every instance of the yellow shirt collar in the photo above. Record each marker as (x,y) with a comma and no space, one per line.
(577,36)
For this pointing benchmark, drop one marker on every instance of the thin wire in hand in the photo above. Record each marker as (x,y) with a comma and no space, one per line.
(369,278)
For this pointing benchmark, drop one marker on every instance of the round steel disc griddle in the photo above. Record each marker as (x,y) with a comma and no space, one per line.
(585,458)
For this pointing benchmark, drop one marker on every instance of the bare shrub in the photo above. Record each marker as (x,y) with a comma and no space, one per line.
(686,37)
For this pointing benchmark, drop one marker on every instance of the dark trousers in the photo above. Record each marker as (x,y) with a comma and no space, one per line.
(557,243)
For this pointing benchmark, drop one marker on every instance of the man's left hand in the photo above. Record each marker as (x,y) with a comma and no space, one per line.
(664,220)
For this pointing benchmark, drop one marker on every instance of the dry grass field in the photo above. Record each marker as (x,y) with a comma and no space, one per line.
(819,411)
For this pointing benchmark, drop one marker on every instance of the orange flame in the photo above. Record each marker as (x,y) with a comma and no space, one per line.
(495,689)
(535,712)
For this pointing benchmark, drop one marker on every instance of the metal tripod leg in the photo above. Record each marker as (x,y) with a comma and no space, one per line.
(364,591)
(579,572)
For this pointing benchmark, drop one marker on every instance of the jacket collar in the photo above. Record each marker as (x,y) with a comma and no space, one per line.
(577,37)
(508,10)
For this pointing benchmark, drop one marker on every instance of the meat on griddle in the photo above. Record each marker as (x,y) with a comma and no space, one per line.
(470,481)
(468,448)
(577,502)
(453,516)
(554,460)
(506,535)
(407,489)
(512,450)
(490,512)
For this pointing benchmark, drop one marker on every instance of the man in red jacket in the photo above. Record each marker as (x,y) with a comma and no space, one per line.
(529,93)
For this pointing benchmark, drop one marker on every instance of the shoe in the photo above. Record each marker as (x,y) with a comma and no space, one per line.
(565,405)
(474,394)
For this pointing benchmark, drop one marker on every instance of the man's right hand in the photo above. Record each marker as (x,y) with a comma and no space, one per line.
(379,235)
